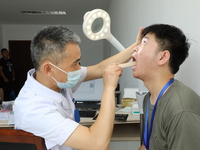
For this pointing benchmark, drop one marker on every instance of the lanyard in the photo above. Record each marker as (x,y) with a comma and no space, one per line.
(147,134)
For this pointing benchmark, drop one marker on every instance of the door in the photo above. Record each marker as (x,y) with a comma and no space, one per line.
(21,56)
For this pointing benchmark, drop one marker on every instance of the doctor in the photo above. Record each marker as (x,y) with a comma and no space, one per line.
(44,105)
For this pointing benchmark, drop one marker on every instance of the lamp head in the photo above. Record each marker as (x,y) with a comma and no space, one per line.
(96,25)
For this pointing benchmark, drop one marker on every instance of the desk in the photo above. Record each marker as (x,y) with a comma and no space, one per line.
(123,131)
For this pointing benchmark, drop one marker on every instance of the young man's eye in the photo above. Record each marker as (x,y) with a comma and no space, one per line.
(144,41)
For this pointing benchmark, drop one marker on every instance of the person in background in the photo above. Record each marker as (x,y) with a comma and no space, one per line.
(171,109)
(45,104)
(1,95)
(7,74)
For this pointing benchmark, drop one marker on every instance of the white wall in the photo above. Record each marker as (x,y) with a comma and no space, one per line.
(92,52)
(126,18)
(128,15)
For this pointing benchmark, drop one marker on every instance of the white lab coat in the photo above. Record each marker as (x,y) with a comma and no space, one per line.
(46,113)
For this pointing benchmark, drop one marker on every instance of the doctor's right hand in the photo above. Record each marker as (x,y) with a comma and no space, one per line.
(111,75)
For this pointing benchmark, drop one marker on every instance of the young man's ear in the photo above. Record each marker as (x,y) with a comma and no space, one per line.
(164,57)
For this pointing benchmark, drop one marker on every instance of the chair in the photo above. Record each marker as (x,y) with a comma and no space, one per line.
(11,139)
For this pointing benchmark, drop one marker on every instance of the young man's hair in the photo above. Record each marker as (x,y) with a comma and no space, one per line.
(50,44)
(172,39)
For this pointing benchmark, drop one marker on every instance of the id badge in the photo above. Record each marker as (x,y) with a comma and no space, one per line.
(76,115)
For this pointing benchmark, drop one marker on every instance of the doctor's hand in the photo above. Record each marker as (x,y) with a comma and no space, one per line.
(139,37)
(137,42)
(111,75)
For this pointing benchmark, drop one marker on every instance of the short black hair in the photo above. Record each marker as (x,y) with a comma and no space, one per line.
(172,39)
(4,49)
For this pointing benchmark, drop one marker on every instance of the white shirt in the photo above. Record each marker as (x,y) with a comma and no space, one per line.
(46,113)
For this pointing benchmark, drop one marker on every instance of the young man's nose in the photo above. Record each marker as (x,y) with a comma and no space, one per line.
(137,48)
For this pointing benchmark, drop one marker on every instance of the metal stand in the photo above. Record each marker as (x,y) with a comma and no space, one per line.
(141,129)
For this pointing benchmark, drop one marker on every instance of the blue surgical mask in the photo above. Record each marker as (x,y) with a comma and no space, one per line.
(72,78)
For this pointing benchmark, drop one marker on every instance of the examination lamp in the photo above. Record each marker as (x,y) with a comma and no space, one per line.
(96,26)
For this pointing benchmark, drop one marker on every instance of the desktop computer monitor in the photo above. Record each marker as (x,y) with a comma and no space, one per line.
(89,94)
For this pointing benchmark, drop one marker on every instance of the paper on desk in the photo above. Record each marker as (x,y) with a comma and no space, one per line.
(11,119)
(125,109)
(4,115)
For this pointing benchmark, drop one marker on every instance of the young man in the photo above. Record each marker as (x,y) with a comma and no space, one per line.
(171,109)
(45,105)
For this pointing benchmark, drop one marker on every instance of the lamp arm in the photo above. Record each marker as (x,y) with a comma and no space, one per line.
(115,43)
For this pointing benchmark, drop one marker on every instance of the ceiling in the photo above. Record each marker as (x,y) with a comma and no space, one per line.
(10,11)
